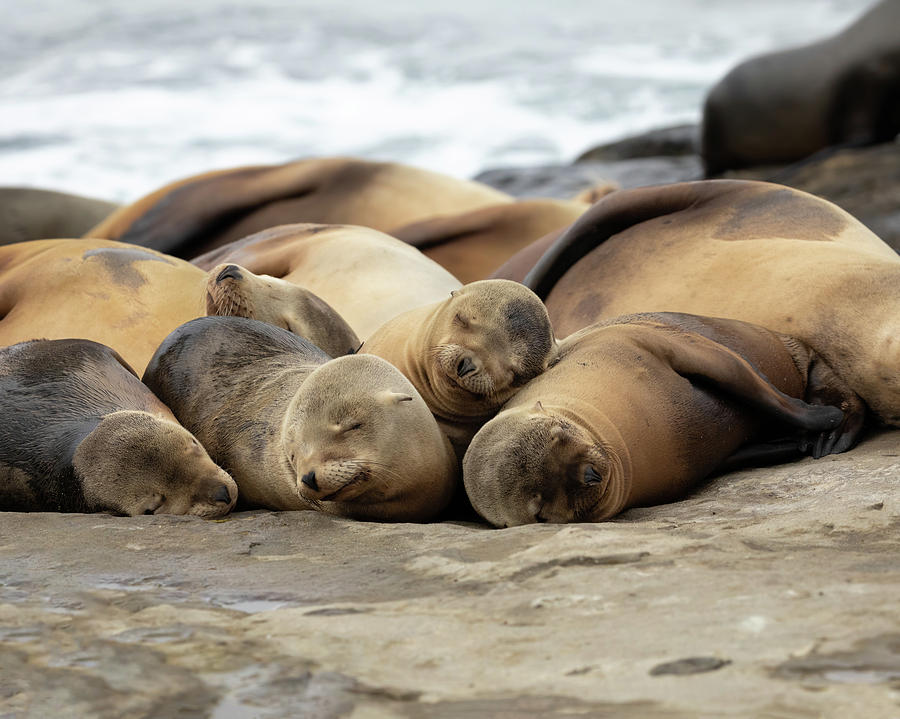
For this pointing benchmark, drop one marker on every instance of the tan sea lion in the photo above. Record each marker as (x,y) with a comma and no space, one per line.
(27,213)
(472,244)
(80,433)
(234,291)
(199,213)
(367,276)
(123,296)
(637,410)
(752,251)
(784,106)
(469,353)
(299,430)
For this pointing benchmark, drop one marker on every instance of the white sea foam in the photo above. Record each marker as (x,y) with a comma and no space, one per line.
(115,100)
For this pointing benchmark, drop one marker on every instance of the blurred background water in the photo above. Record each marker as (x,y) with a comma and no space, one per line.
(112,99)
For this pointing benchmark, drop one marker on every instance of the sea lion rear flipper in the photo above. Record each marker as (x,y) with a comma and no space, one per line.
(693,355)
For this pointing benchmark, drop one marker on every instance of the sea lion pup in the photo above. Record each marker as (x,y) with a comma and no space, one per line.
(196,214)
(784,106)
(367,276)
(751,251)
(299,430)
(27,213)
(637,410)
(467,354)
(80,433)
(472,244)
(234,291)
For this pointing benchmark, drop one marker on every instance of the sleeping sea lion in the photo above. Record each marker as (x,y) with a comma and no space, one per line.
(299,430)
(234,291)
(80,433)
(199,213)
(472,244)
(27,213)
(367,276)
(751,251)
(467,354)
(637,410)
(128,297)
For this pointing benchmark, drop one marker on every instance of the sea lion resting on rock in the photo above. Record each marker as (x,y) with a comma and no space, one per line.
(234,291)
(366,276)
(472,244)
(80,433)
(784,106)
(27,213)
(298,430)
(637,410)
(751,251)
(129,298)
(199,213)
(470,352)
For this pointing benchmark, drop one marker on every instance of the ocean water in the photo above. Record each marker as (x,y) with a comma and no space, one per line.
(113,99)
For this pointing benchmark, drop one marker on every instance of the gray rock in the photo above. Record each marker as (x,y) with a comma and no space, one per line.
(768,592)
(664,142)
(566,181)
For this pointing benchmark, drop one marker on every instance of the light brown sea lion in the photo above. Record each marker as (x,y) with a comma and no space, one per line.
(786,105)
(123,296)
(467,354)
(80,433)
(234,291)
(752,251)
(196,214)
(637,410)
(367,276)
(27,213)
(298,430)
(472,244)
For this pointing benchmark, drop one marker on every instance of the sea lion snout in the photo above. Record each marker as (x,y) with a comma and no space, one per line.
(309,479)
(465,366)
(229,272)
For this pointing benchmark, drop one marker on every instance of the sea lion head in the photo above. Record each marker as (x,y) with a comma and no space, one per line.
(135,463)
(533,465)
(363,443)
(486,340)
(232,290)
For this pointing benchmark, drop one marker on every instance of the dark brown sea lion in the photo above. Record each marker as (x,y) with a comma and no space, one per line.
(27,213)
(786,105)
(637,410)
(299,430)
(196,214)
(80,433)
(752,251)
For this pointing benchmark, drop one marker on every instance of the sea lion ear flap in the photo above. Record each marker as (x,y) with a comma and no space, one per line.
(388,398)
(693,355)
(539,408)
(453,293)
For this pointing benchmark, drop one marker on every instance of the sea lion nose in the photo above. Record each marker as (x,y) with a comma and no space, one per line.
(465,366)
(222,495)
(230,272)
(309,479)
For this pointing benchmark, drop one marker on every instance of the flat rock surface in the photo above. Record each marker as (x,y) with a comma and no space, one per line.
(768,593)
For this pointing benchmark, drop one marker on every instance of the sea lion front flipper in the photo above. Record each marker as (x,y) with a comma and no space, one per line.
(826,387)
(444,228)
(694,356)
